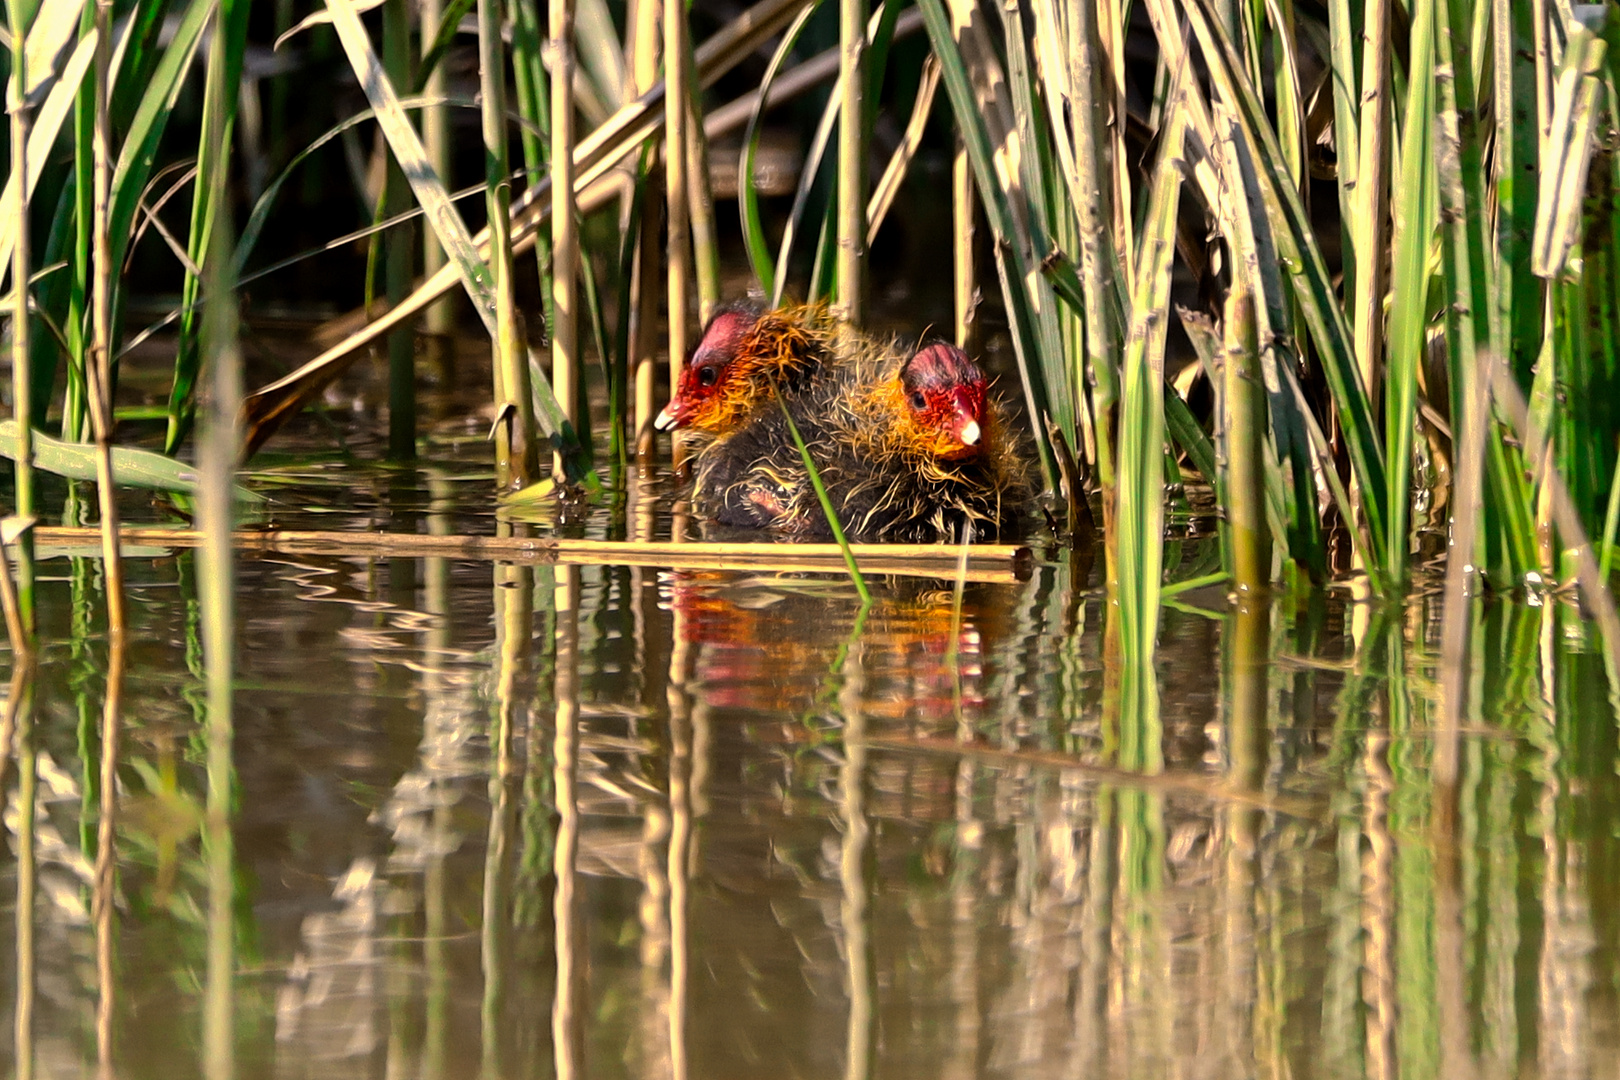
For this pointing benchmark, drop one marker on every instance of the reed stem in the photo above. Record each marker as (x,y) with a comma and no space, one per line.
(850,262)
(705,243)
(964,277)
(1243,422)
(515,447)
(98,370)
(676,160)
(564,220)
(644,30)
(217,455)
(22,388)
(439,319)
(1370,230)
(398,250)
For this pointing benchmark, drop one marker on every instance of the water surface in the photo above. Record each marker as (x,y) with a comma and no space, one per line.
(525,821)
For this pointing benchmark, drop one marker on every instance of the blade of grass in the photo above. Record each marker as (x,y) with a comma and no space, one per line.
(705,242)
(1513,90)
(1140,503)
(447,225)
(226,47)
(1414,206)
(1611,520)
(1299,527)
(145,130)
(826,503)
(747,191)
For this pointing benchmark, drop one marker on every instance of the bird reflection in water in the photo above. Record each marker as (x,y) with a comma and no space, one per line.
(921,660)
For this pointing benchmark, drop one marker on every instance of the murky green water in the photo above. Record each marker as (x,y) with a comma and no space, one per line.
(523,821)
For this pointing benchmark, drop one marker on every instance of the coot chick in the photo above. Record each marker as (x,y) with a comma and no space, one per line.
(910,449)
(744,357)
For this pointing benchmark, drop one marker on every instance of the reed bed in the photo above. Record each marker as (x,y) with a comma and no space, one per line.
(1326,221)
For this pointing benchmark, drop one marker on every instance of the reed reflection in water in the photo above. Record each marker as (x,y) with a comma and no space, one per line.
(533,822)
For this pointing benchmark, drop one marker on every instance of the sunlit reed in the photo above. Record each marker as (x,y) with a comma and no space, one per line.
(677,161)
(565,254)
(850,263)
(22,387)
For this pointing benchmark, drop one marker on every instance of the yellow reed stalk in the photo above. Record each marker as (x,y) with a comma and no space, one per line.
(643,48)
(850,264)
(564,220)
(676,113)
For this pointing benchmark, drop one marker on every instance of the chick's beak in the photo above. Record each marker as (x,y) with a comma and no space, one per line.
(667,418)
(965,422)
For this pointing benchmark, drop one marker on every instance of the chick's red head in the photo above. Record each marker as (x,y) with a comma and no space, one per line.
(712,390)
(944,394)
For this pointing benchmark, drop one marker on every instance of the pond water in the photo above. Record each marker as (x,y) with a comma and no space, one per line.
(522,821)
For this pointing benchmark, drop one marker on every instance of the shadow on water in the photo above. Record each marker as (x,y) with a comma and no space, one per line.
(500,821)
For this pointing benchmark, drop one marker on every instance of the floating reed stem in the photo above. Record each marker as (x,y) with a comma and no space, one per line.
(515,449)
(850,262)
(987,562)
(22,388)
(564,221)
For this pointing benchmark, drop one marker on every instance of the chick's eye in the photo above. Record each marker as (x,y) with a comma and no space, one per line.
(707,376)
(917,400)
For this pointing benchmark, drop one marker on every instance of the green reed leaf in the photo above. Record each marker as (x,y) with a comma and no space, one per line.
(747,191)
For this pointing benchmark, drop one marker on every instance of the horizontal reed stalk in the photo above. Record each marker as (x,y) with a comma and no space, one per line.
(988,562)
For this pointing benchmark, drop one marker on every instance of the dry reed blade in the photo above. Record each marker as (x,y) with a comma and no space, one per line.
(900,161)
